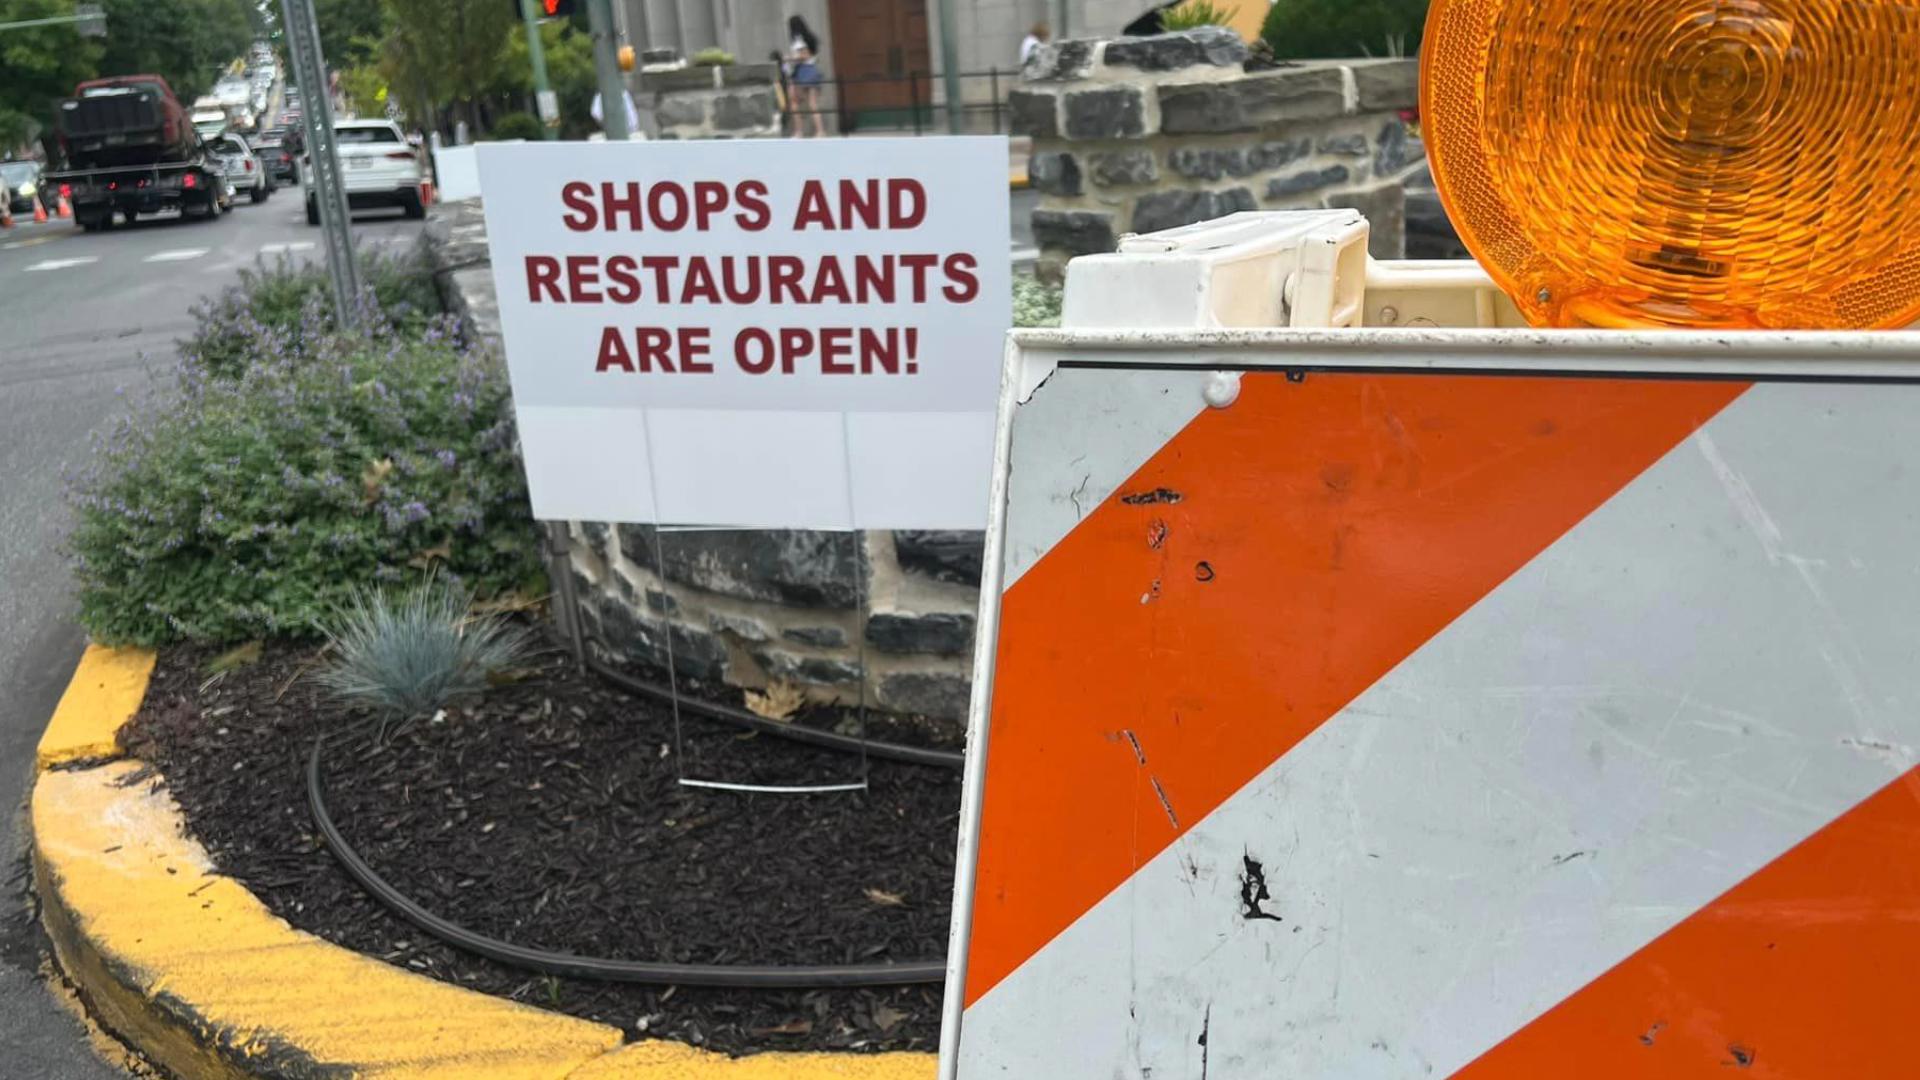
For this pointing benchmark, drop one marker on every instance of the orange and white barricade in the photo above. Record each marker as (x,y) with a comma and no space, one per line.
(1428,697)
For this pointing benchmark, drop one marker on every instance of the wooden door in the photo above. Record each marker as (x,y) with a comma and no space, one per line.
(878,50)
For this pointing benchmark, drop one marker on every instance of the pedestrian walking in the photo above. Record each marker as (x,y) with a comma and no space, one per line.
(1036,37)
(803,72)
(597,110)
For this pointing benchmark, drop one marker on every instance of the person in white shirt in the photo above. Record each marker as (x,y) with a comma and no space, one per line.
(1035,38)
(633,113)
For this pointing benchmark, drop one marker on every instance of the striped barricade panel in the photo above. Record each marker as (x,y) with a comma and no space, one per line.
(1476,721)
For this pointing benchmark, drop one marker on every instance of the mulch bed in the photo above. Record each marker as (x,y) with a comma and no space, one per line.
(548,813)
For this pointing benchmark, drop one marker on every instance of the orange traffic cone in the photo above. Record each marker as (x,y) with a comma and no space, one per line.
(66,208)
(39,212)
(426,193)
(6,215)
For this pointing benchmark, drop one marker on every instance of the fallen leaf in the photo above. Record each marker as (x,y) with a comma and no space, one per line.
(887,1018)
(237,657)
(780,701)
(375,476)
(511,603)
(424,559)
(798,1026)
(509,676)
(885,898)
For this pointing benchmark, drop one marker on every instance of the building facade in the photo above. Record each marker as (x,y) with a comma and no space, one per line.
(885,55)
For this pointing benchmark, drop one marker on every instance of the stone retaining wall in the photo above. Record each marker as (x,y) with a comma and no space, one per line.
(884,617)
(1134,135)
(733,101)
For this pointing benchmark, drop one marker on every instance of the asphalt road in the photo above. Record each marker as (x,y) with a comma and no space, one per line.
(87,321)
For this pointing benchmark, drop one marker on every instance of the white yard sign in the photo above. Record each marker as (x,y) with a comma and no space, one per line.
(800,333)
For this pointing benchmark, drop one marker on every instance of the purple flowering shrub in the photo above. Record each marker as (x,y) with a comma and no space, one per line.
(282,308)
(253,502)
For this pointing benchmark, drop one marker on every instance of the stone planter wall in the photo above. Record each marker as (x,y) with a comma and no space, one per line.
(736,101)
(751,607)
(884,617)
(1134,135)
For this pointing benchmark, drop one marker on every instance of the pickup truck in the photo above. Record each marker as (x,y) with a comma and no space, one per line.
(127,145)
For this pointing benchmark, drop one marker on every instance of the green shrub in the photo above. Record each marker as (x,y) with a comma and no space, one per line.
(406,655)
(1315,29)
(711,57)
(251,505)
(1035,303)
(1194,14)
(279,308)
(518,126)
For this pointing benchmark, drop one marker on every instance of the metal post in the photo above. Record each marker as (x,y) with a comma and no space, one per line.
(913,95)
(1060,28)
(950,65)
(993,74)
(565,601)
(537,57)
(606,63)
(329,195)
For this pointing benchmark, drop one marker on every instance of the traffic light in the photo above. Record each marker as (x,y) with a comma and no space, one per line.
(548,9)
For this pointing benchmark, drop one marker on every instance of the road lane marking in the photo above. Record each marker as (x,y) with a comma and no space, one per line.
(29,242)
(283,249)
(62,264)
(177,255)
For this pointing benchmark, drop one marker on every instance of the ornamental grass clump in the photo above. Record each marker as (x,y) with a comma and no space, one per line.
(405,654)
(251,505)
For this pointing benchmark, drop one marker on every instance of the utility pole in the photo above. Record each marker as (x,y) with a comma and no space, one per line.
(543,97)
(950,65)
(329,195)
(606,63)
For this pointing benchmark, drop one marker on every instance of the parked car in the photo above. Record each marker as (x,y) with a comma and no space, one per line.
(209,122)
(244,172)
(20,181)
(279,159)
(378,167)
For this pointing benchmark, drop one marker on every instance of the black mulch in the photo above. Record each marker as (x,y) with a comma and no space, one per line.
(548,814)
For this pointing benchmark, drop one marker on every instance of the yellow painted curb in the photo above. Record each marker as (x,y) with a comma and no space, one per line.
(193,971)
(197,973)
(674,1061)
(105,692)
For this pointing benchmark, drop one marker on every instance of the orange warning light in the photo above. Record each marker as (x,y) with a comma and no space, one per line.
(1684,163)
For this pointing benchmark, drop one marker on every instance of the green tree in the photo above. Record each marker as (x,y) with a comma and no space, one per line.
(570,73)
(366,89)
(187,42)
(350,31)
(1313,29)
(38,67)
(446,51)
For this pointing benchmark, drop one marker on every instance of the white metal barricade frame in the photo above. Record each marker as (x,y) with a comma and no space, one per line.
(1044,494)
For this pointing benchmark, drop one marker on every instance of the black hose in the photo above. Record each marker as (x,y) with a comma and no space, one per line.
(758,976)
(831,740)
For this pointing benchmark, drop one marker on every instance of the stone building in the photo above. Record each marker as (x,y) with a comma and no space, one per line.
(884,40)
(1136,135)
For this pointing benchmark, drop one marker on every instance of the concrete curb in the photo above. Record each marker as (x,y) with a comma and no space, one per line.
(192,970)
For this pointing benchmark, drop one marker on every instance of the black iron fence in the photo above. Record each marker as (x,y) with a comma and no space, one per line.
(913,102)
